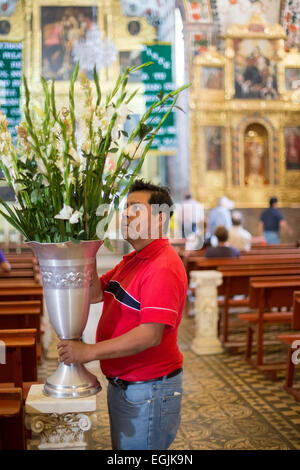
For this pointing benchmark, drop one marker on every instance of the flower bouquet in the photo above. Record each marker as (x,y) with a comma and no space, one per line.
(64,169)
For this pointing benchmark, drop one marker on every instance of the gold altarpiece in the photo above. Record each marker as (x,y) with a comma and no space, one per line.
(245,119)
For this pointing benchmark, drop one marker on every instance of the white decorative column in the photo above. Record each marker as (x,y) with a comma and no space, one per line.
(206,339)
(58,423)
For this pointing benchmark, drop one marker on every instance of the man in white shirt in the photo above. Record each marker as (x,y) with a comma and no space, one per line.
(238,236)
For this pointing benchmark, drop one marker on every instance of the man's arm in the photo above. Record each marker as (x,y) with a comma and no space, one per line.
(133,342)
(96,289)
(260,228)
(284,225)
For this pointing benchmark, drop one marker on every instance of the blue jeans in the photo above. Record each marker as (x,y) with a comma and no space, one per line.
(272,238)
(145,416)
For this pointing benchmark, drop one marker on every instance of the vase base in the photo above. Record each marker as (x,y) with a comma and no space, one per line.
(73,381)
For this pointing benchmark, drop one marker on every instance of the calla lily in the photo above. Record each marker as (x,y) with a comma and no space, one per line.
(65,213)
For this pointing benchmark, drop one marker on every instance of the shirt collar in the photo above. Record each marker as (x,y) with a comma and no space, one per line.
(149,250)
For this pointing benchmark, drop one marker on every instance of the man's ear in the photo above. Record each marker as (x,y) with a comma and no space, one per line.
(162,219)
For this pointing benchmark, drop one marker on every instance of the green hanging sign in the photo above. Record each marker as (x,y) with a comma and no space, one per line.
(157,78)
(10,82)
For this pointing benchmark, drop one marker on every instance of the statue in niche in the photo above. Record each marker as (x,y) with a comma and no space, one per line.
(255,157)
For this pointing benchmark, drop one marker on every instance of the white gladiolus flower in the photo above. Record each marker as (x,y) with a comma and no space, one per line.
(74,219)
(41,166)
(71,179)
(60,165)
(74,154)
(65,213)
(115,132)
(7,160)
(123,111)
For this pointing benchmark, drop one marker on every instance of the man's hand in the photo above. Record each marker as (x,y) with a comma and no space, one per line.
(96,294)
(74,352)
(144,336)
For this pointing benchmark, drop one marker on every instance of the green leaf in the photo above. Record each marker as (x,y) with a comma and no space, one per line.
(34,197)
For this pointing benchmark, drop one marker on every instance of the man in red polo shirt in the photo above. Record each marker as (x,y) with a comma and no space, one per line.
(136,340)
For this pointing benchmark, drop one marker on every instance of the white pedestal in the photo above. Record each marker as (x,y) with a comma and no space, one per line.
(206,339)
(59,423)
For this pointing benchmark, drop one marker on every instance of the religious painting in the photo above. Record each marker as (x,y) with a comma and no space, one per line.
(292,78)
(255,69)
(292,148)
(213,147)
(213,78)
(63,30)
(256,155)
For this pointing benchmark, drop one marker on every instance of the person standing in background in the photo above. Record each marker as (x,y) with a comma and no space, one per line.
(220,215)
(271,221)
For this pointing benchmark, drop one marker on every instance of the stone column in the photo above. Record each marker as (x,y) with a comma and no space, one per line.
(206,339)
(57,423)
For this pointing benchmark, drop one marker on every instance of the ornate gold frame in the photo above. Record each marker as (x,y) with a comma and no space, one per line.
(16,20)
(290,61)
(212,107)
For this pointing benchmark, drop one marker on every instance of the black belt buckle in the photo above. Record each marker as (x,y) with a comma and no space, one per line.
(122,384)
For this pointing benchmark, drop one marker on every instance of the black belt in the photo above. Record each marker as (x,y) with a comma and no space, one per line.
(124,383)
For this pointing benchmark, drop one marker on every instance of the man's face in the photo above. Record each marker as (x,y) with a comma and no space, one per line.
(138,222)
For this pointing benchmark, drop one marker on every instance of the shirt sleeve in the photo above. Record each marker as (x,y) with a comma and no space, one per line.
(162,296)
(2,257)
(105,278)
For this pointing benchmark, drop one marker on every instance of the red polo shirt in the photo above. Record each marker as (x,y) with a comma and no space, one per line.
(145,287)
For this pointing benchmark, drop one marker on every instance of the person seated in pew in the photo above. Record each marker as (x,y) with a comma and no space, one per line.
(222,250)
(239,237)
(5,266)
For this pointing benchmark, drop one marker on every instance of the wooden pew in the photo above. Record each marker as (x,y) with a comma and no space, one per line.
(23,289)
(20,368)
(236,281)
(12,429)
(201,263)
(22,314)
(292,340)
(266,293)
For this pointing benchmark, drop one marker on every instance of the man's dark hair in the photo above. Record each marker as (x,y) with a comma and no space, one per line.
(273,201)
(221,233)
(160,195)
(236,218)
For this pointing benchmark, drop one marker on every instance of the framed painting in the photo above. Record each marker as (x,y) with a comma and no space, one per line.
(292,148)
(255,69)
(213,78)
(292,78)
(63,28)
(213,136)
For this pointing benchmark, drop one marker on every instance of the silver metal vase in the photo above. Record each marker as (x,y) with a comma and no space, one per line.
(67,274)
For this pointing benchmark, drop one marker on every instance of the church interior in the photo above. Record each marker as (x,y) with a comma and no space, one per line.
(230,148)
